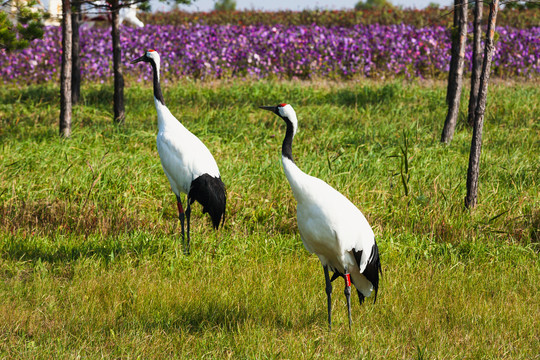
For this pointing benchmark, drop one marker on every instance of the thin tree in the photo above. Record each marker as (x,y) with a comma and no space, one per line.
(476,60)
(112,8)
(118,97)
(453,58)
(455,80)
(76,17)
(476,143)
(65,75)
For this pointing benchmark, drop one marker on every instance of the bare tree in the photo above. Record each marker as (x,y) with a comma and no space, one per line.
(119,108)
(455,79)
(65,75)
(111,10)
(476,143)
(76,17)
(453,58)
(476,60)
(114,7)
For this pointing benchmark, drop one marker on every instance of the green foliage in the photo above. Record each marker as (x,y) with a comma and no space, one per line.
(522,5)
(373,4)
(20,23)
(144,6)
(225,5)
(427,17)
(91,261)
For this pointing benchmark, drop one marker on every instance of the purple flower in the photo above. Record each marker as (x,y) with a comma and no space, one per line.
(222,51)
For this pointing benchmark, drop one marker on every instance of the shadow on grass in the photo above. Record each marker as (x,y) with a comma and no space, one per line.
(97,96)
(199,319)
(364,96)
(46,93)
(219,315)
(61,217)
(65,248)
(254,95)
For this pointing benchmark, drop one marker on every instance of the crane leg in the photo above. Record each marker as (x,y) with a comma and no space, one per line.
(347,292)
(328,296)
(188,215)
(181,216)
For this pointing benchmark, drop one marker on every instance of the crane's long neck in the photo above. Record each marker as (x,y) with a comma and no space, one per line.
(165,118)
(157,87)
(286,147)
(295,176)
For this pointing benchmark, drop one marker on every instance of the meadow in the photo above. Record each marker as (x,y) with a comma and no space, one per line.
(91,262)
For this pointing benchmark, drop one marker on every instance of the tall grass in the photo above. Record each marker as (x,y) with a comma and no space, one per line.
(92,266)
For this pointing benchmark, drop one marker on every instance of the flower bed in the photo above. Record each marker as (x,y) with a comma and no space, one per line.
(222,51)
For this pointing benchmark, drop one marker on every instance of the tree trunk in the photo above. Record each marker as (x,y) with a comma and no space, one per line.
(455,80)
(454,39)
(476,143)
(65,75)
(75,58)
(476,60)
(118,97)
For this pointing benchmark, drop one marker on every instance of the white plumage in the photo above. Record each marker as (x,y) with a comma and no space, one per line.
(329,224)
(129,15)
(186,161)
(183,155)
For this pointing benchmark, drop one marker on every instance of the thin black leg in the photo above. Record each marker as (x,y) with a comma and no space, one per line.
(328,296)
(188,215)
(348,294)
(181,216)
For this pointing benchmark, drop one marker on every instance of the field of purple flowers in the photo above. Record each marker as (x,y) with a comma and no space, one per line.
(222,51)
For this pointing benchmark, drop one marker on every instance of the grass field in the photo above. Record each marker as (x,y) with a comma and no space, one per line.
(91,264)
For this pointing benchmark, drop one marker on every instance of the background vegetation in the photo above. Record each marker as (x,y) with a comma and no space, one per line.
(90,259)
(431,16)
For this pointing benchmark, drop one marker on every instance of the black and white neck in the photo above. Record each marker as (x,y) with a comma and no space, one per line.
(152,57)
(158,95)
(286,147)
(287,113)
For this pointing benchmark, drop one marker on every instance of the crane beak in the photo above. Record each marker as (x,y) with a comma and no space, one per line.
(142,58)
(269,108)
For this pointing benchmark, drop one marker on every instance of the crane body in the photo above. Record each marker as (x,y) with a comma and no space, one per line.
(188,164)
(330,225)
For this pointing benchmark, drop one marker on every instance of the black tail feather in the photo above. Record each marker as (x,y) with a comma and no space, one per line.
(209,191)
(372,270)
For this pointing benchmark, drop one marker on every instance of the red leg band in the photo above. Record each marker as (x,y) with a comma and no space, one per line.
(180,208)
(348,279)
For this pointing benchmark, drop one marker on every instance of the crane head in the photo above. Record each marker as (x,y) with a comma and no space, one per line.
(284,111)
(150,55)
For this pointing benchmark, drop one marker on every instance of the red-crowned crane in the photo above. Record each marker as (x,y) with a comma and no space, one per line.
(330,225)
(187,162)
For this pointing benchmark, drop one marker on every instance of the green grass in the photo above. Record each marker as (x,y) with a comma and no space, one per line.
(90,259)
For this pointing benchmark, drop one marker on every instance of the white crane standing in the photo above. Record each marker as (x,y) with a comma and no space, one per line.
(187,162)
(330,225)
